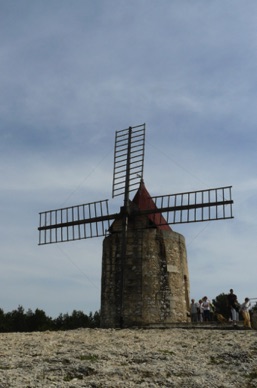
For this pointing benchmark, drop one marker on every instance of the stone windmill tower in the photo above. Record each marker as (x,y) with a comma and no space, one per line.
(152,287)
(145,278)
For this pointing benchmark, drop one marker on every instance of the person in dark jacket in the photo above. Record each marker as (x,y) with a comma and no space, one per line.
(233,306)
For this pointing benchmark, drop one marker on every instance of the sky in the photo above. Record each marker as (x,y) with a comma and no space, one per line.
(72,73)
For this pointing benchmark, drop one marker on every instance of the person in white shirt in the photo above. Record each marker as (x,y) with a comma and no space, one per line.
(206,309)
(244,308)
(194,310)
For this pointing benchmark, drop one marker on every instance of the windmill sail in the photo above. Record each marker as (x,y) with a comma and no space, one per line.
(74,223)
(128,160)
(93,219)
(194,206)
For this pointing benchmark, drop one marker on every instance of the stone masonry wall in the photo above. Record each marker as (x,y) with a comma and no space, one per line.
(154,287)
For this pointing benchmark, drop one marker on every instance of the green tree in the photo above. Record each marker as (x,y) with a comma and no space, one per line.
(2,321)
(221,305)
(254,308)
(38,321)
(94,319)
(19,321)
(16,320)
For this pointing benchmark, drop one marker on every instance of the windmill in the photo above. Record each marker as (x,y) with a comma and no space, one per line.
(127,230)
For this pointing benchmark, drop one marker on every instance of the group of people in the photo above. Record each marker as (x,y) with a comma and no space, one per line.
(204,310)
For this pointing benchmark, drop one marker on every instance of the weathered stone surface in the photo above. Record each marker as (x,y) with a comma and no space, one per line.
(129,358)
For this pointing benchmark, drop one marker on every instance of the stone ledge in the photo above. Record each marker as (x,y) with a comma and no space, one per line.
(196,325)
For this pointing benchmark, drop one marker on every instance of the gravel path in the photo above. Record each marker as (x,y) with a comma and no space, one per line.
(129,358)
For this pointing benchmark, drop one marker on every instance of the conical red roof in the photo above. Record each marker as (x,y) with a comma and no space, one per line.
(144,201)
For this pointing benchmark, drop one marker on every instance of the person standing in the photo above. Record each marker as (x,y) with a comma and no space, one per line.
(200,311)
(194,311)
(206,309)
(244,308)
(233,306)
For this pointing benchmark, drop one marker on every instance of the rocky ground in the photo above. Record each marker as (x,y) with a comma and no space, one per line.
(129,358)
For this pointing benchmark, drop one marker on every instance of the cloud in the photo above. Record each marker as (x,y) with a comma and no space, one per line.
(70,77)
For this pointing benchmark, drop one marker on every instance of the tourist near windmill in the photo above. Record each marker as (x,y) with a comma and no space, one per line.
(233,305)
(235,311)
(145,278)
(244,309)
